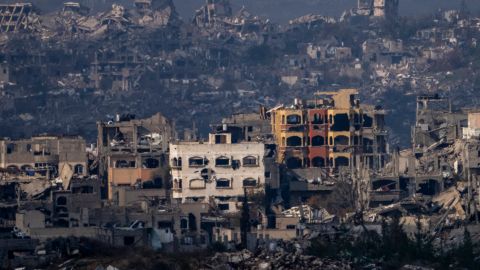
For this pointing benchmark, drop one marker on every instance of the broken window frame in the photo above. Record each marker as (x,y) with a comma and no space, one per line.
(250,161)
(250,183)
(194,162)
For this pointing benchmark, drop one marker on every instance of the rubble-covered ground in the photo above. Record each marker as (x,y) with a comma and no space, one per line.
(347,248)
(121,60)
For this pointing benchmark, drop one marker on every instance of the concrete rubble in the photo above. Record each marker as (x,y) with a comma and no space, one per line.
(379,129)
(278,255)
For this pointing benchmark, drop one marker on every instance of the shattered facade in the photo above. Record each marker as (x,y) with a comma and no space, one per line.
(49,156)
(248,126)
(436,123)
(134,152)
(16,17)
(220,170)
(330,132)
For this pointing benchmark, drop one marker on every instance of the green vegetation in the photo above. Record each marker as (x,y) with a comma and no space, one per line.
(393,248)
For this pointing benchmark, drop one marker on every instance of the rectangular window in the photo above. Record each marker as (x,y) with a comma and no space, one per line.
(219,139)
(223,206)
(223,183)
(267,175)
(222,161)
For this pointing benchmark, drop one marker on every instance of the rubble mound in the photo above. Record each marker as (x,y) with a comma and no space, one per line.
(283,256)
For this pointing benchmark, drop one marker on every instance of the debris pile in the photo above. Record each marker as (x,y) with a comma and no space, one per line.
(277,255)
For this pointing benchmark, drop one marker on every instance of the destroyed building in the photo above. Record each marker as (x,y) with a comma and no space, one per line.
(220,170)
(331,131)
(133,153)
(211,11)
(135,57)
(436,123)
(47,156)
(17,17)
(248,126)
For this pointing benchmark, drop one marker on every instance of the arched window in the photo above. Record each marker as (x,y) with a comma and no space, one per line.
(249,182)
(318,141)
(177,163)
(294,119)
(317,119)
(294,141)
(12,169)
(223,183)
(222,161)
(196,162)
(341,140)
(250,161)
(283,119)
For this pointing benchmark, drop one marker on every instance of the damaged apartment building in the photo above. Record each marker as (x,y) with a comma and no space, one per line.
(46,156)
(428,167)
(321,140)
(221,171)
(248,126)
(331,131)
(133,155)
(29,168)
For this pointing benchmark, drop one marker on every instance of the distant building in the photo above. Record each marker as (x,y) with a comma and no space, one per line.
(212,10)
(378,8)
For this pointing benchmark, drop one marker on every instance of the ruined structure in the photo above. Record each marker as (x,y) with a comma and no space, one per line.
(16,17)
(247,126)
(220,170)
(436,123)
(211,11)
(48,156)
(134,152)
(331,131)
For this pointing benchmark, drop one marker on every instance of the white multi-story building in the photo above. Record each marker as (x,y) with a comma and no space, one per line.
(217,171)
